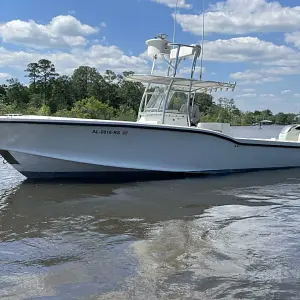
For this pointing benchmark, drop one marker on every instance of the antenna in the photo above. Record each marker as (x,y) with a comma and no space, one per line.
(174,26)
(201,60)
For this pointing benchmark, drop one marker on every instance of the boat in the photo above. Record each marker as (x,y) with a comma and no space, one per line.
(162,141)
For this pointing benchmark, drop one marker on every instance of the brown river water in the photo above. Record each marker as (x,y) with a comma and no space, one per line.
(219,237)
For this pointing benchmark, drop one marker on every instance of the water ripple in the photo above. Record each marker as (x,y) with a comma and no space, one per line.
(212,238)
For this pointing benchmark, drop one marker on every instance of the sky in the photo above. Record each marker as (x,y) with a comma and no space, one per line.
(255,43)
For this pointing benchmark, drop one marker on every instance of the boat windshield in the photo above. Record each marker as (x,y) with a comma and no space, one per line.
(175,101)
(287,128)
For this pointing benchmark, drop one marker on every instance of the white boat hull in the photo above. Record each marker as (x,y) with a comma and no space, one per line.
(40,167)
(75,148)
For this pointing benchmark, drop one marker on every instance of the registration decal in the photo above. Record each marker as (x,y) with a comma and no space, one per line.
(110,132)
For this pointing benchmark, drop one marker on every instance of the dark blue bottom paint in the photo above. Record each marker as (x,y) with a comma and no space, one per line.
(132,176)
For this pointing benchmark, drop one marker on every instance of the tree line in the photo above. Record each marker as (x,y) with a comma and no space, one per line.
(225,110)
(88,94)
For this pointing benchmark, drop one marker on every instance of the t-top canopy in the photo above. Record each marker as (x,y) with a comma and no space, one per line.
(181,84)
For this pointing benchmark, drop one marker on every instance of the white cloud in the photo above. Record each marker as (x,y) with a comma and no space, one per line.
(285,92)
(264,75)
(272,74)
(271,79)
(4,75)
(243,16)
(253,77)
(172,3)
(186,72)
(244,49)
(267,95)
(98,56)
(293,38)
(62,31)
(296,95)
(248,95)
(248,90)
(288,60)
(281,70)
(246,75)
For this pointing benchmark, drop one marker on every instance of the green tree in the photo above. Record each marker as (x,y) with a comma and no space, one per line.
(3,93)
(33,71)
(62,94)
(129,93)
(110,76)
(7,109)
(204,101)
(44,110)
(46,74)
(92,108)
(3,90)
(266,115)
(87,82)
(16,93)
(126,113)
(248,118)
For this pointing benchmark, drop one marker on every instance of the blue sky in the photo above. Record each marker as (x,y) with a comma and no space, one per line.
(253,42)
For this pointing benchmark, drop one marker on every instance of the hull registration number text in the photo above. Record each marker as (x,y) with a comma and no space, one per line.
(110,132)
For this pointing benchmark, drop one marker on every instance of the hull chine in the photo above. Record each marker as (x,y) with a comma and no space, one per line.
(131,176)
(103,177)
